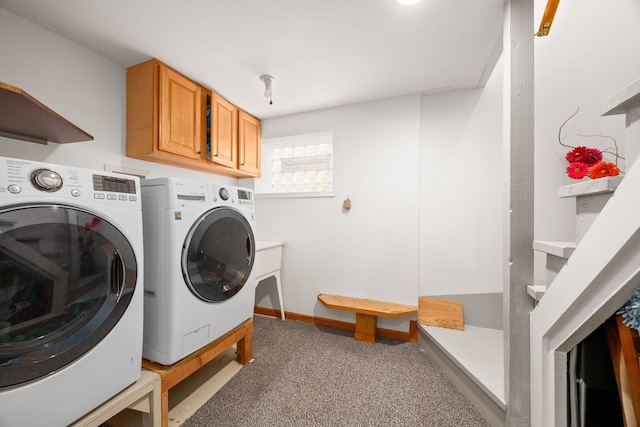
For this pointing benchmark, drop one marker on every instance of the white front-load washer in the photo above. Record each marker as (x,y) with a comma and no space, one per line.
(71,294)
(199,254)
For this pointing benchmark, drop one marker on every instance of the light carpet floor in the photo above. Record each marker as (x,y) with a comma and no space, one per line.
(306,375)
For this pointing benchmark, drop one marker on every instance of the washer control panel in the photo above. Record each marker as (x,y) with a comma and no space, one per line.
(45,181)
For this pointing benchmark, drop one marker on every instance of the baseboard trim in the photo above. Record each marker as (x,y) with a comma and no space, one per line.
(411,336)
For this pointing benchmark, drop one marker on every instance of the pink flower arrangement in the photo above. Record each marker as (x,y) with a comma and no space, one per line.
(602,169)
(584,161)
(577,170)
(590,156)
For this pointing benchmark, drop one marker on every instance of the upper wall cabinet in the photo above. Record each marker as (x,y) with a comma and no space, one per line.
(173,120)
(24,117)
(248,143)
(224,138)
(180,115)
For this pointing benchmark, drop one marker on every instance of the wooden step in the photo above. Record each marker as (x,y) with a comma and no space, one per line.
(441,313)
(591,187)
(556,256)
(626,102)
(366,312)
(591,197)
(536,291)
(559,249)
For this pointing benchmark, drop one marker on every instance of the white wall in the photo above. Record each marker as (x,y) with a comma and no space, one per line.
(590,54)
(81,86)
(461,177)
(372,251)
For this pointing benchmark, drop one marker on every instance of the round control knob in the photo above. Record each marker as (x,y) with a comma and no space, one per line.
(14,189)
(224,193)
(46,180)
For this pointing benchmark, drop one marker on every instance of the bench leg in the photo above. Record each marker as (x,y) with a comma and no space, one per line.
(366,325)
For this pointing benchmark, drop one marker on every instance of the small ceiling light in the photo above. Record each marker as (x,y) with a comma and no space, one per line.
(268,93)
(407,2)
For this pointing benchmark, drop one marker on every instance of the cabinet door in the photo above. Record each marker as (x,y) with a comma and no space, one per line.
(224,141)
(180,114)
(248,143)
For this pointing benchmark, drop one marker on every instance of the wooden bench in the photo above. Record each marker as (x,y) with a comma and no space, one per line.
(173,374)
(367,312)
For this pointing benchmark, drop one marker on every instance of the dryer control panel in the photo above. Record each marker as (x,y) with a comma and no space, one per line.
(230,195)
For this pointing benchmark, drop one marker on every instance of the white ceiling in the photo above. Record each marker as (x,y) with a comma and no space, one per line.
(322,53)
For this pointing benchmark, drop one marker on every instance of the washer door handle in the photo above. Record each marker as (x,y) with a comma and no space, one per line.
(249,250)
(118,274)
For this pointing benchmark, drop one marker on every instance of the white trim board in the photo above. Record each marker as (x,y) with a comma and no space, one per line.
(476,351)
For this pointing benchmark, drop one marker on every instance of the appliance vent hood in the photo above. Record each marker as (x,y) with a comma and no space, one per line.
(24,117)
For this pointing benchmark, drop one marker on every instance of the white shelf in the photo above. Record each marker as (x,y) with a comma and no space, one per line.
(559,249)
(591,187)
(536,291)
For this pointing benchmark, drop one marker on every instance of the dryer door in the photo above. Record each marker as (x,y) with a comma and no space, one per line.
(66,278)
(218,254)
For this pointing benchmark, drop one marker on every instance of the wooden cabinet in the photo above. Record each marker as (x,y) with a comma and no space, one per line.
(224,138)
(179,115)
(174,120)
(248,143)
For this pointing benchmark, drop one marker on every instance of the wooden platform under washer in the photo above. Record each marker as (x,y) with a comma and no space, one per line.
(171,375)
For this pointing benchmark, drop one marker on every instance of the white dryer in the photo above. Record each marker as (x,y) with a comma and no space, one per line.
(70,305)
(199,254)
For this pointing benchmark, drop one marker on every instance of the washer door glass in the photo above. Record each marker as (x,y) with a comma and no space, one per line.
(66,278)
(218,254)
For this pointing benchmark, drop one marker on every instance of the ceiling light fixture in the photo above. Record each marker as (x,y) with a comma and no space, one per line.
(268,93)
(407,2)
